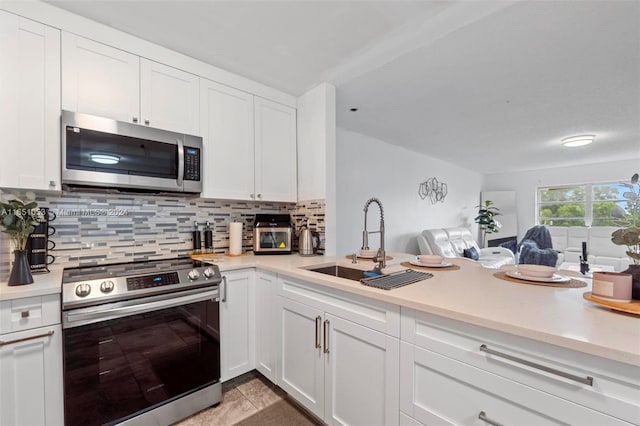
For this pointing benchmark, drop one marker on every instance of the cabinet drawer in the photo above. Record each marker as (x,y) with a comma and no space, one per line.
(437,390)
(379,316)
(29,312)
(614,388)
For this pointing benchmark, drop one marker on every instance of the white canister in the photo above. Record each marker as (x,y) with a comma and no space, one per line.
(612,286)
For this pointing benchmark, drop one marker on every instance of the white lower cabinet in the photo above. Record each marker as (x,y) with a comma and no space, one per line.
(237,323)
(31,372)
(266,324)
(343,372)
(437,390)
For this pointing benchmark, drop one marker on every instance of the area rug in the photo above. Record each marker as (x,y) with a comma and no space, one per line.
(282,413)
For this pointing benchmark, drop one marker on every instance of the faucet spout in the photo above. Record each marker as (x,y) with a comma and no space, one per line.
(381,255)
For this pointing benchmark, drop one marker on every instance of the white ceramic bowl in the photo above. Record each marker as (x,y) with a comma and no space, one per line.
(368,253)
(538,271)
(430,259)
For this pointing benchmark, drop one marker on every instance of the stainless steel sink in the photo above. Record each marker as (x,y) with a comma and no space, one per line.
(341,272)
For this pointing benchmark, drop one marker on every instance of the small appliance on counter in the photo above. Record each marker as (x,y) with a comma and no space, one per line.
(309,241)
(38,244)
(272,234)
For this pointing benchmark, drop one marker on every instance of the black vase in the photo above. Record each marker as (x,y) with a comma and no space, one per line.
(634,270)
(20,272)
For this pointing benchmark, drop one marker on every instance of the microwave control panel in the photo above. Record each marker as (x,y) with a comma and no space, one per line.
(191,163)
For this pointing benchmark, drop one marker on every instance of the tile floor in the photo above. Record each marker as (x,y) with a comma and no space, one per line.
(241,398)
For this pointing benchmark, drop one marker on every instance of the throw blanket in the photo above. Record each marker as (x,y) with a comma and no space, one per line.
(531,254)
(540,234)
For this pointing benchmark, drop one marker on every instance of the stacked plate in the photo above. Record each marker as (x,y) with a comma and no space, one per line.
(367,254)
(537,273)
(430,261)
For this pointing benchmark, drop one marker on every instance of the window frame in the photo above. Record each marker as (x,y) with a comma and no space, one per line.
(588,199)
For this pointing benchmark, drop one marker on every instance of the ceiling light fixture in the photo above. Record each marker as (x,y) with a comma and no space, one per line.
(104,158)
(575,141)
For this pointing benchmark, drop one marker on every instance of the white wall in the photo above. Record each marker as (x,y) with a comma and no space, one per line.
(526,183)
(368,167)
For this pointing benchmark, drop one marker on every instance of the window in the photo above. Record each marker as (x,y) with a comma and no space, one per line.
(600,204)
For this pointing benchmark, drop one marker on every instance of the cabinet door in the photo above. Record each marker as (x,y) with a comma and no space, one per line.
(29,104)
(169,98)
(301,364)
(275,143)
(99,79)
(227,129)
(237,322)
(31,371)
(266,325)
(361,370)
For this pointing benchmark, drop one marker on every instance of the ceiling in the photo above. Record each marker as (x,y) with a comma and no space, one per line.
(489,86)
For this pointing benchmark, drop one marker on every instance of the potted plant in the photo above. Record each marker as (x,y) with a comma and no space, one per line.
(629,234)
(19,218)
(486,219)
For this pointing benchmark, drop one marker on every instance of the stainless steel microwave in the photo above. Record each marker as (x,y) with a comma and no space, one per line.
(105,153)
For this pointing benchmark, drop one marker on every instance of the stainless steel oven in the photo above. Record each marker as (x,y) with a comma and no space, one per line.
(141,342)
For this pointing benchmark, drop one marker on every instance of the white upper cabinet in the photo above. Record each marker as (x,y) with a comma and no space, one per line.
(102,80)
(99,79)
(249,144)
(227,128)
(275,156)
(29,104)
(168,98)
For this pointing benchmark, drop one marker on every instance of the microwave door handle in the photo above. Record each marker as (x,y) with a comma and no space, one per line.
(180,162)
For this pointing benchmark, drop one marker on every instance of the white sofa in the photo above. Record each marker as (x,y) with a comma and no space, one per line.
(568,242)
(451,242)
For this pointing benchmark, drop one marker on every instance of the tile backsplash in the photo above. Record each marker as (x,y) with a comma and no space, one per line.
(106,228)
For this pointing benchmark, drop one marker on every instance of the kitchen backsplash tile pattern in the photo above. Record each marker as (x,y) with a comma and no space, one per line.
(108,228)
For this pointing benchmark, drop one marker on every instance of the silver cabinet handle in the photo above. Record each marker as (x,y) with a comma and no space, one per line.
(318,320)
(135,119)
(483,416)
(52,183)
(146,122)
(24,314)
(224,289)
(252,196)
(259,195)
(326,336)
(586,380)
(24,339)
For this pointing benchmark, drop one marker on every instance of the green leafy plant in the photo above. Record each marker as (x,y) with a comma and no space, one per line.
(19,217)
(486,219)
(629,234)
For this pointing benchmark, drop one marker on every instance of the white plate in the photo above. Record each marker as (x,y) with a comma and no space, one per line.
(431,265)
(555,278)
(366,256)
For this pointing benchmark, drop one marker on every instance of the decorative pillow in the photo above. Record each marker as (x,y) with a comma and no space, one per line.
(471,253)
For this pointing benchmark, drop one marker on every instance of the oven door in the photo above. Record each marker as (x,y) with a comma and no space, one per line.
(126,358)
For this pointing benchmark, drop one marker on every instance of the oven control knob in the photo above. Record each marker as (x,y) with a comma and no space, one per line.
(209,272)
(106,286)
(83,290)
(194,274)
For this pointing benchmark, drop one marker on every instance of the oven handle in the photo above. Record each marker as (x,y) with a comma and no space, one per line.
(99,313)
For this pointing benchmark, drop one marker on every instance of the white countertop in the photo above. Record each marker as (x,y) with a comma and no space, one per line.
(559,316)
(43,284)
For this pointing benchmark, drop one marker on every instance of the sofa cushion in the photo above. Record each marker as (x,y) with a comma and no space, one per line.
(600,242)
(558,237)
(439,242)
(456,240)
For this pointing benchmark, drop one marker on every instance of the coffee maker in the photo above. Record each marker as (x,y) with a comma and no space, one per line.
(38,244)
